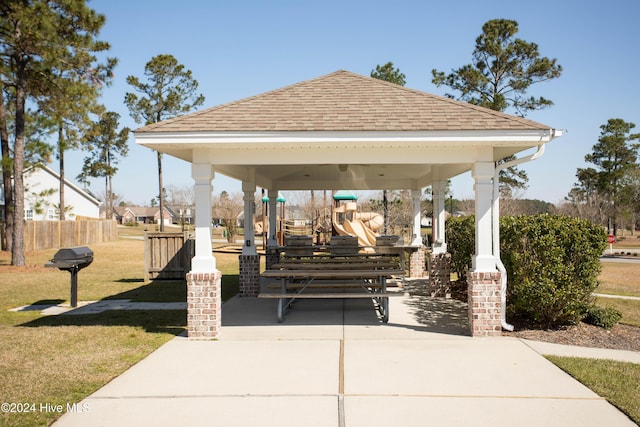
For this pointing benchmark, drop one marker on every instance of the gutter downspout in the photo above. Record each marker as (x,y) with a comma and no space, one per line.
(495,223)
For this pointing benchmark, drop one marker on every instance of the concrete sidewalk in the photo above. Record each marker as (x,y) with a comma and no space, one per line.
(331,363)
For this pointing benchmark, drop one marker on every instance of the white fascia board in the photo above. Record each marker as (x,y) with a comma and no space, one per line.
(206,139)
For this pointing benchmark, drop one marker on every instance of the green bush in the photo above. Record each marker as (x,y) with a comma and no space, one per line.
(460,232)
(552,264)
(603,317)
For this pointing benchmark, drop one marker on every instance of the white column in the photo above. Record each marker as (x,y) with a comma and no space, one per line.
(439,217)
(417,238)
(273,214)
(483,175)
(249,189)
(203,261)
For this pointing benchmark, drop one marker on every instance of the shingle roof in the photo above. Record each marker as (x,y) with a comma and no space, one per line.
(344,101)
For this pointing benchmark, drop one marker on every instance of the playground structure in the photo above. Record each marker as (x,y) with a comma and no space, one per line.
(342,219)
(347,221)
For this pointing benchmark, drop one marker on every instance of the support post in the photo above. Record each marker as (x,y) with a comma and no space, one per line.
(204,299)
(483,259)
(273,222)
(203,261)
(439,245)
(439,259)
(249,190)
(249,260)
(417,237)
(483,281)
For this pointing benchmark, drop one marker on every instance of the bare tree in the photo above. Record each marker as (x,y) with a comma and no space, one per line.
(228,209)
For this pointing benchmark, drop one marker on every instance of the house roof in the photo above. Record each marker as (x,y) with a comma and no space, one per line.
(344,131)
(84,193)
(140,211)
(344,101)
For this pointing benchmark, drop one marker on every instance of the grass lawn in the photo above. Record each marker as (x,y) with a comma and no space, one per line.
(62,359)
(619,278)
(618,382)
(627,242)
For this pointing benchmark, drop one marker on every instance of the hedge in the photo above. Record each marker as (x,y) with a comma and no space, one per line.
(552,264)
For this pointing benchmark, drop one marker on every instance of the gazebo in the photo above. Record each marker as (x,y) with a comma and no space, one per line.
(344,131)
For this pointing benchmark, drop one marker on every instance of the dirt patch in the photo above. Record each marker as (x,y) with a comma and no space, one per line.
(620,337)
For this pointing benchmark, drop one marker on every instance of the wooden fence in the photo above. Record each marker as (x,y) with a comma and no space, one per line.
(40,235)
(167,255)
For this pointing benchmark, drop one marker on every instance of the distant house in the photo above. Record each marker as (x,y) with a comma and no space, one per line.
(182,214)
(142,215)
(42,197)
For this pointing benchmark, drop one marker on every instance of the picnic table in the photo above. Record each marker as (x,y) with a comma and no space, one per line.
(325,276)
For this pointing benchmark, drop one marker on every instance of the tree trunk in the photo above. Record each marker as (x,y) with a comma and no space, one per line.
(161,196)
(7,242)
(17,250)
(61,154)
(106,197)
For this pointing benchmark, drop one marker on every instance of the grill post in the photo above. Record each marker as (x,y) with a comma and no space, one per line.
(74,286)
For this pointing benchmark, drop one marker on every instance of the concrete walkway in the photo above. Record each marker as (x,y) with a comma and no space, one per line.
(331,363)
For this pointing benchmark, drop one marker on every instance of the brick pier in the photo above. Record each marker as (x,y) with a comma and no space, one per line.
(204,301)
(417,262)
(485,303)
(440,275)
(249,275)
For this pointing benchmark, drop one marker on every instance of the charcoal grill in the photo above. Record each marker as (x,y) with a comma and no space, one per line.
(72,260)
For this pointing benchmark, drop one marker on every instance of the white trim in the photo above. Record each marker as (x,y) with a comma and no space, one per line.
(298,137)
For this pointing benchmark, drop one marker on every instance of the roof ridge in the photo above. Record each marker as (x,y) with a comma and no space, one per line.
(343,98)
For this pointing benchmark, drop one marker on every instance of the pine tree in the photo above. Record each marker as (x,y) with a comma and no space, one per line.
(502,70)
(170,91)
(38,39)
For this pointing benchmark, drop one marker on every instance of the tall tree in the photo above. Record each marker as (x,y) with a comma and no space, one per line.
(388,73)
(502,70)
(170,91)
(615,157)
(105,143)
(37,39)
(69,107)
(7,168)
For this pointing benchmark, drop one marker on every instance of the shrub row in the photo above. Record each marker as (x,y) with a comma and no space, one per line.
(552,264)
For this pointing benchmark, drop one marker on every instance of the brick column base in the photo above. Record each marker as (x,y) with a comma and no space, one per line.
(485,306)
(417,262)
(272,257)
(204,300)
(249,275)
(440,275)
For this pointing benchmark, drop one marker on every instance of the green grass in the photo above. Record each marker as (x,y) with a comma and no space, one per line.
(617,278)
(618,382)
(62,359)
(621,279)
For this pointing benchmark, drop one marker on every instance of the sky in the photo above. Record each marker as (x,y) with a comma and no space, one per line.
(241,48)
